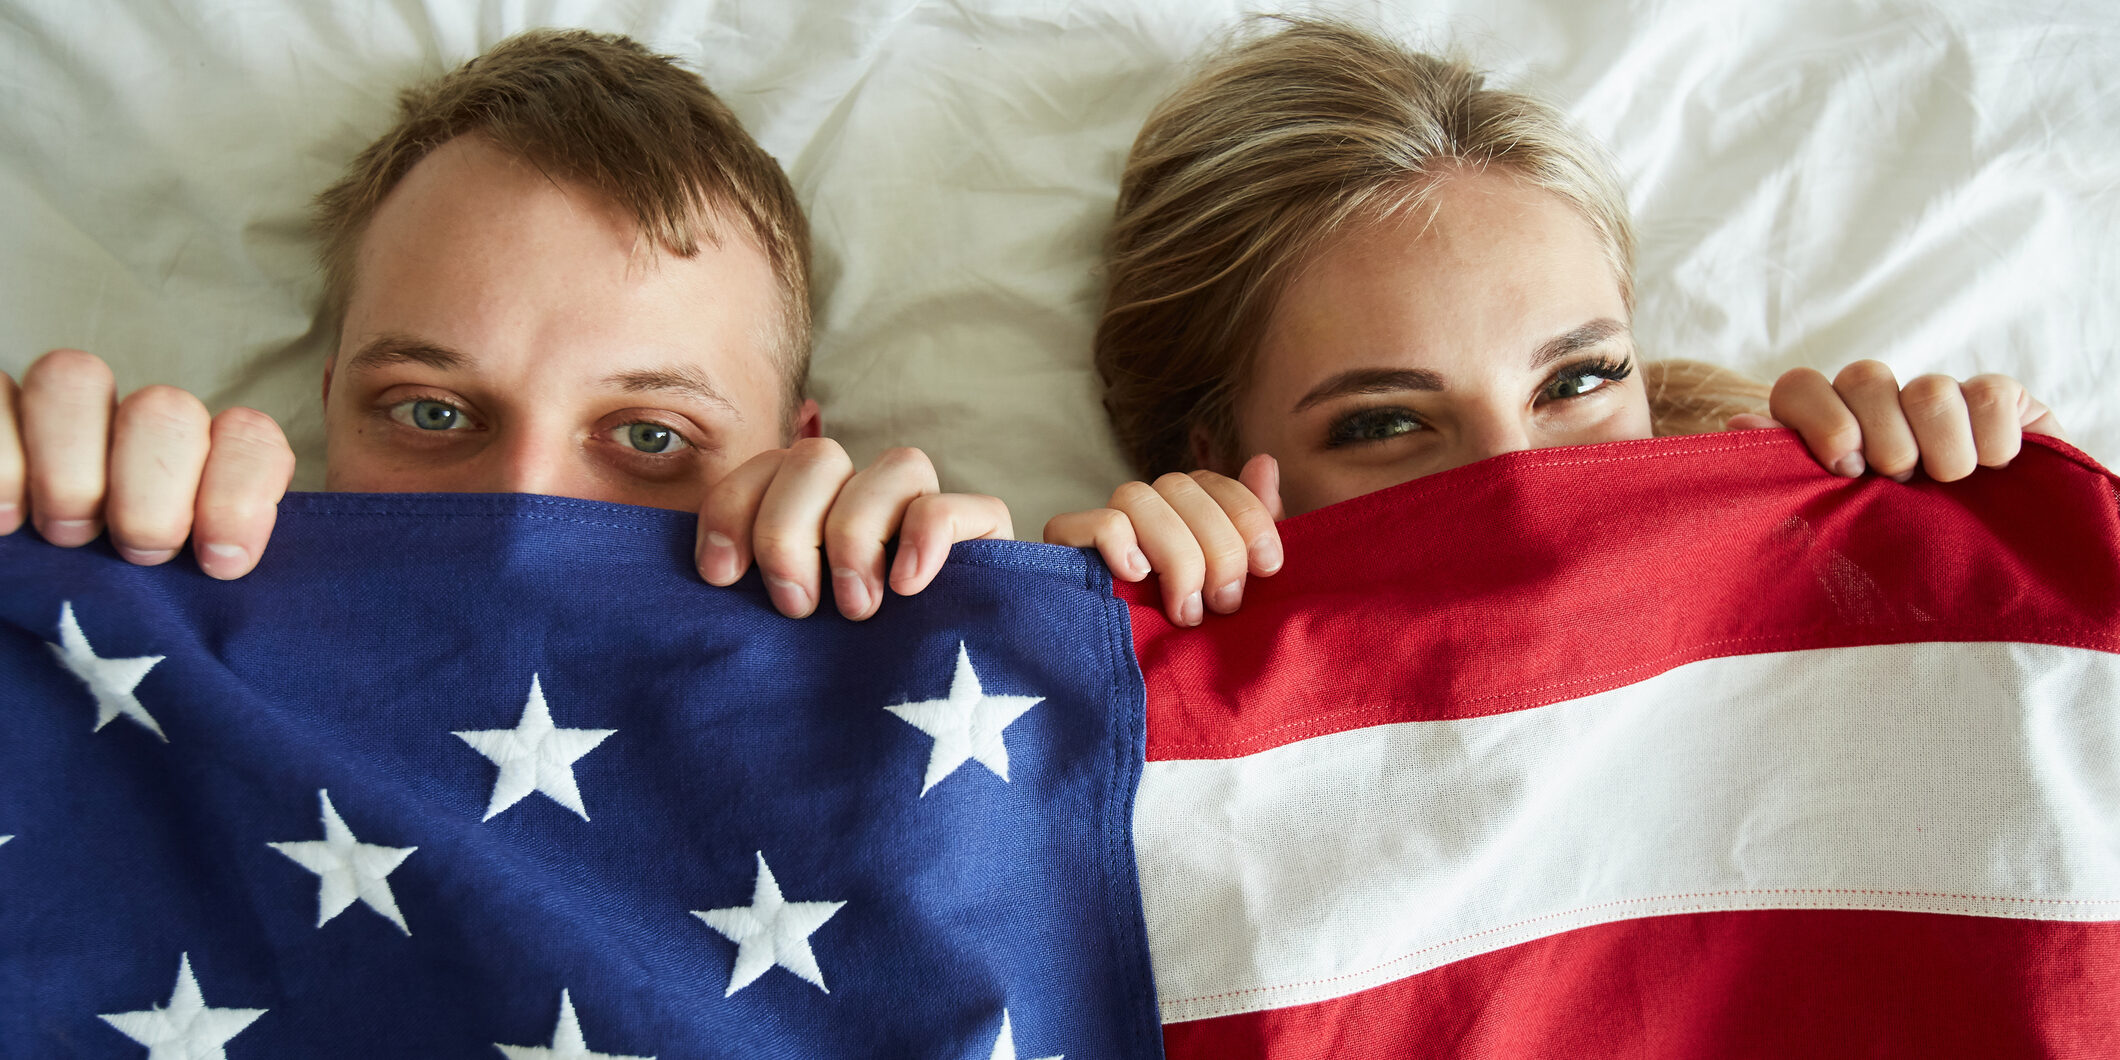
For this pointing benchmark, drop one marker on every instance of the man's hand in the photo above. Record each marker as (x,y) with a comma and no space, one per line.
(784,506)
(154,467)
(1863,419)
(1202,530)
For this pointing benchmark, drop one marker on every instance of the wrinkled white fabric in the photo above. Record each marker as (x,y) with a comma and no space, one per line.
(1936,185)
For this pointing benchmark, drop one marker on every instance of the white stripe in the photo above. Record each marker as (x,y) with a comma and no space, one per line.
(1951,778)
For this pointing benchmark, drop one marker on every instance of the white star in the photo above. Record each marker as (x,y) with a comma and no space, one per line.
(111,681)
(535,756)
(1005,1045)
(567,1043)
(769,931)
(185,1029)
(966,725)
(347,869)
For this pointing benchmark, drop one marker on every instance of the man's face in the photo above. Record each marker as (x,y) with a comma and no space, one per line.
(509,332)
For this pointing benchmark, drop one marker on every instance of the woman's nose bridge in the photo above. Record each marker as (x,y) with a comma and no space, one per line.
(1495,428)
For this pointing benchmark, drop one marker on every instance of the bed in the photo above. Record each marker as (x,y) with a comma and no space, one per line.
(1935,185)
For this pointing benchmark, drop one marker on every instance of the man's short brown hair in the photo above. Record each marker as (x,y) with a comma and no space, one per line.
(604,112)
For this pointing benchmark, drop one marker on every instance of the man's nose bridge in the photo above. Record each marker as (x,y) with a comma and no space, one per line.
(527,459)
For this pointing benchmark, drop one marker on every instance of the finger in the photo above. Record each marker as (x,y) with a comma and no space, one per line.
(722,548)
(66,408)
(1170,547)
(1247,513)
(1109,531)
(1872,394)
(1751,421)
(247,471)
(1262,476)
(1935,410)
(934,523)
(1221,546)
(1807,403)
(158,445)
(867,512)
(788,537)
(13,472)
(2042,420)
(1994,404)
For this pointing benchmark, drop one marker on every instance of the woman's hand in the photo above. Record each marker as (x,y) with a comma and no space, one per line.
(155,467)
(1202,531)
(785,506)
(1863,419)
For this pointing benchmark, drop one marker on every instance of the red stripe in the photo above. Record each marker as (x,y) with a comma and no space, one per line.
(1553,574)
(1775,983)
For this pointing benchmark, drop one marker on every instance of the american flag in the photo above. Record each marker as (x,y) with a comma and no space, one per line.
(482,776)
(1674,748)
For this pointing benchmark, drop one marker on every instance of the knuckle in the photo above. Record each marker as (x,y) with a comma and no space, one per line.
(1175,482)
(249,430)
(1929,396)
(780,550)
(165,411)
(70,370)
(1133,495)
(1864,375)
(819,453)
(1987,393)
(901,456)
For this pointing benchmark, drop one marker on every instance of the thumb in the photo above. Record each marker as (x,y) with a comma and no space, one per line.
(1262,476)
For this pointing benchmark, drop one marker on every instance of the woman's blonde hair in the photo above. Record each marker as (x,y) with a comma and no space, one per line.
(1276,144)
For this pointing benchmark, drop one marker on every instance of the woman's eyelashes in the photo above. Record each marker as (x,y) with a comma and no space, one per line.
(1585,377)
(1371,425)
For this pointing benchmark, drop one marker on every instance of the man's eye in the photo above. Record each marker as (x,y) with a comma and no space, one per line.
(650,438)
(429,415)
(1371,425)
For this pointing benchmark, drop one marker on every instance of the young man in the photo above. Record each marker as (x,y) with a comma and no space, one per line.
(568,270)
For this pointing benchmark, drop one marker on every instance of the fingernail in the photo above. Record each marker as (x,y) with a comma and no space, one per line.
(1849,466)
(215,559)
(717,558)
(1267,548)
(852,591)
(790,597)
(68,531)
(1225,599)
(1136,563)
(1189,611)
(146,557)
(1904,476)
(906,568)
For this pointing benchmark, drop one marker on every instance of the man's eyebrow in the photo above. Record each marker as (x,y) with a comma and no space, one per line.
(1575,341)
(677,378)
(1370,381)
(387,350)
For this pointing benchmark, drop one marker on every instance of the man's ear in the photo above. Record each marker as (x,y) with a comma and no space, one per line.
(1204,454)
(330,361)
(809,423)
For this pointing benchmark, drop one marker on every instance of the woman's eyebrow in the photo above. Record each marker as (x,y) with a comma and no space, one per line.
(1581,338)
(1370,381)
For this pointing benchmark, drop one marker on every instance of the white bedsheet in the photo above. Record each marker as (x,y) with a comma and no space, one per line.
(1936,185)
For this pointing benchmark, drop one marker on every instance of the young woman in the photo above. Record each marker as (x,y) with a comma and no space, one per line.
(1355,265)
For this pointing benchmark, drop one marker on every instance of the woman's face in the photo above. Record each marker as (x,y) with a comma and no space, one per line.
(1412,346)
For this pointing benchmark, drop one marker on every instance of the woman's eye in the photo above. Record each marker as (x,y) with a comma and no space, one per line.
(651,438)
(1574,385)
(429,415)
(1372,425)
